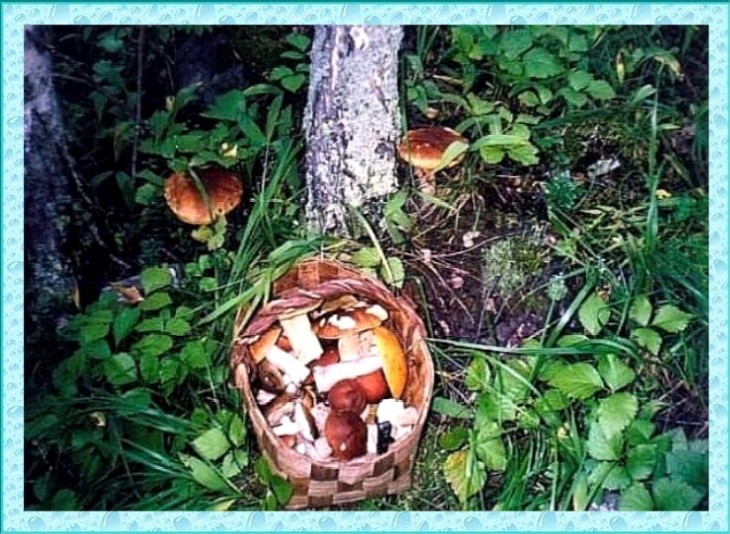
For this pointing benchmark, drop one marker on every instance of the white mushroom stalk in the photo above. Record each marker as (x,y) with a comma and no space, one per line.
(296,370)
(327,376)
(286,427)
(304,343)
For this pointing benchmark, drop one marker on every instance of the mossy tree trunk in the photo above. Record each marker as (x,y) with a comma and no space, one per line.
(351,123)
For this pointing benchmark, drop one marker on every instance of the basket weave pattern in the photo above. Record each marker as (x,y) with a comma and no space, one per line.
(318,484)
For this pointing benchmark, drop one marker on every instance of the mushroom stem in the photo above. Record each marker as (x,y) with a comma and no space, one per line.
(327,376)
(305,344)
(288,364)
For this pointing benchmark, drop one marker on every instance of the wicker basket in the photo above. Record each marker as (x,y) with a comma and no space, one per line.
(319,484)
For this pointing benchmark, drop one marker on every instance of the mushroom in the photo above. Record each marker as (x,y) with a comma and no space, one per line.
(303,418)
(351,322)
(344,302)
(266,349)
(391,379)
(286,427)
(281,406)
(347,396)
(327,376)
(346,434)
(401,418)
(270,378)
(222,187)
(299,332)
(424,149)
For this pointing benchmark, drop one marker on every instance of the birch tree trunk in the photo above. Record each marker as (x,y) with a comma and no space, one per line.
(351,123)
(47,194)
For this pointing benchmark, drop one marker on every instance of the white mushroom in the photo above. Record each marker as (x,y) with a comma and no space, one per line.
(303,418)
(327,376)
(264,397)
(372,445)
(298,330)
(286,363)
(286,427)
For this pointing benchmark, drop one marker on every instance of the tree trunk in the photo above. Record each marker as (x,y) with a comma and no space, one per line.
(47,195)
(351,123)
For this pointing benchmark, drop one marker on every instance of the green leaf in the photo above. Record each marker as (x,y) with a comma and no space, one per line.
(94,331)
(149,368)
(134,401)
(396,270)
(124,323)
(578,380)
(282,489)
(64,500)
(691,467)
(98,350)
(177,327)
(640,461)
(251,130)
(616,373)
(171,374)
(593,314)
(600,90)
(640,310)
(601,447)
(552,400)
(154,278)
(491,154)
(205,475)
(299,41)
(490,448)
(640,432)
(671,319)
(464,473)
(574,98)
(237,431)
(617,479)
(153,344)
(675,495)
(514,42)
(577,42)
(525,155)
(153,324)
(539,63)
(120,369)
(227,106)
(647,338)
(579,79)
(293,83)
(453,438)
(278,73)
(145,194)
(211,444)
(636,499)
(450,408)
(453,151)
(194,355)
(155,302)
(529,99)
(616,411)
(477,375)
(366,257)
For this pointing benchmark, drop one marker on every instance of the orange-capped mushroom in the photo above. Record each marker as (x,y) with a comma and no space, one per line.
(223,188)
(424,148)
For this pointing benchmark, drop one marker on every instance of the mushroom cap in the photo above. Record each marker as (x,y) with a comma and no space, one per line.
(395,366)
(347,323)
(375,386)
(224,191)
(347,434)
(267,340)
(347,396)
(424,147)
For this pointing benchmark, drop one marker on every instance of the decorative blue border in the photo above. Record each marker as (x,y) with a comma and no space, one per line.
(15,16)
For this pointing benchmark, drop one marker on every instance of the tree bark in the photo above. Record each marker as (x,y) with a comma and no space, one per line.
(351,123)
(47,195)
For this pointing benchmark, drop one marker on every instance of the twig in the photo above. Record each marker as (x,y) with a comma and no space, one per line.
(138,112)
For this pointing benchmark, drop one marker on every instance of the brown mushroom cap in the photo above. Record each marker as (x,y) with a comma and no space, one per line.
(267,340)
(347,396)
(424,147)
(336,326)
(395,366)
(347,434)
(223,188)
(374,386)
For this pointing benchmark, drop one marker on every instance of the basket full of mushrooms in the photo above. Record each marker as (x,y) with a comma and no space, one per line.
(337,380)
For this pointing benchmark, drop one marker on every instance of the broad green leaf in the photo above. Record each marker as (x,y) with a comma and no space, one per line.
(551,369)
(153,344)
(640,432)
(98,350)
(616,374)
(524,155)
(278,73)
(495,406)
(134,401)
(120,369)
(691,467)
(149,368)
(194,355)
(577,42)
(569,340)
(602,448)
(146,194)
(671,495)
(552,400)
(453,438)
(396,270)
(94,331)
(171,374)
(671,319)
(153,324)
(617,479)
(616,411)
(211,444)
(529,99)
(205,475)
(453,151)
(477,375)
(155,302)
(593,314)
(293,83)
(237,430)
(574,98)
(600,90)
(282,489)
(647,338)
(177,327)
(491,154)
(464,473)
(636,499)
(154,278)
(251,130)
(366,257)
(298,41)
(124,323)
(515,41)
(490,448)
(578,380)
(640,461)
(640,310)
(539,63)
(579,79)
(65,500)
(450,408)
